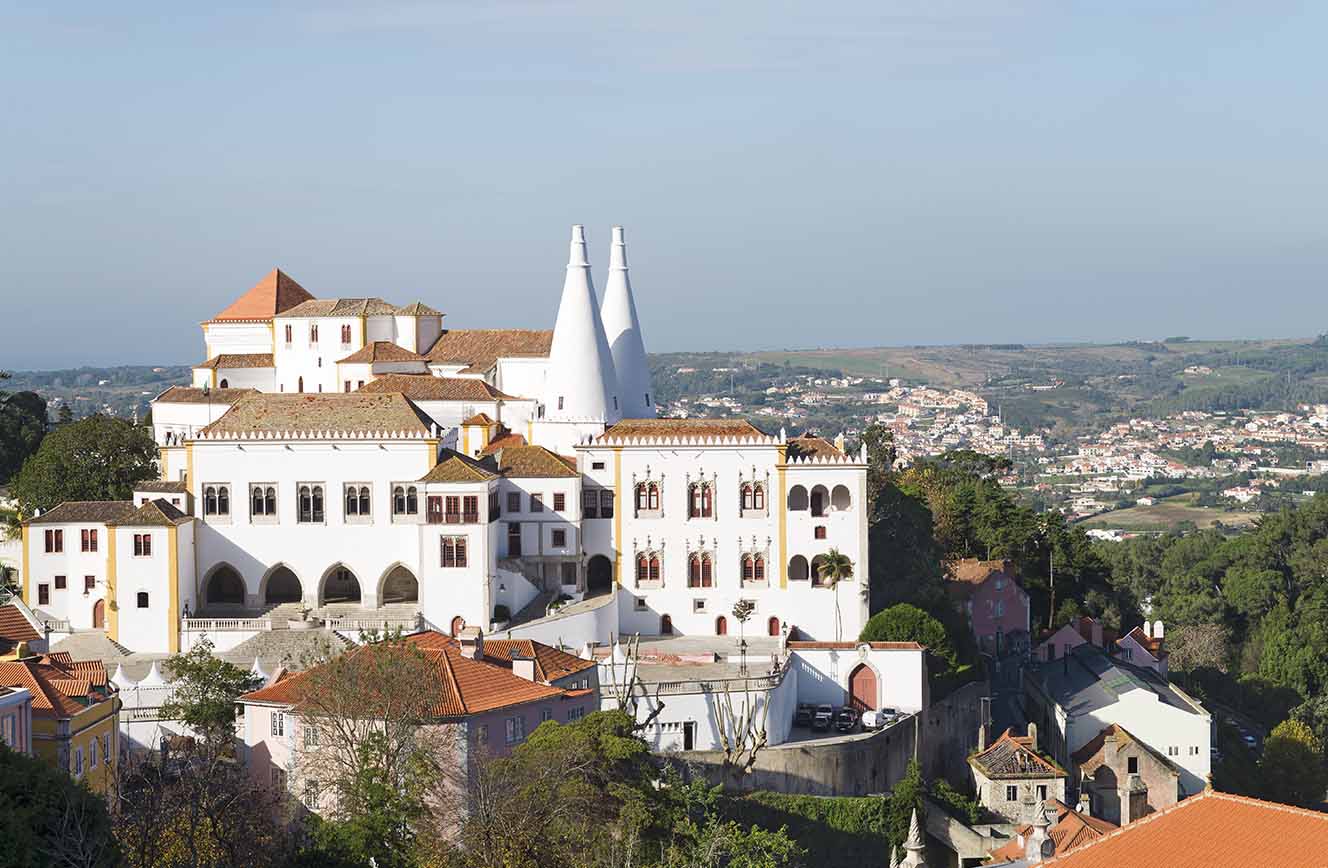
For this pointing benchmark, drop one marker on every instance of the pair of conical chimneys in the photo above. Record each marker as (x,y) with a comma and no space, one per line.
(597,364)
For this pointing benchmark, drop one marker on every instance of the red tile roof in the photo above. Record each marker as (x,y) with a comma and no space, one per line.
(60,687)
(503,441)
(1151,645)
(1211,830)
(480,349)
(273,294)
(236,360)
(467,686)
(381,351)
(809,446)
(427,387)
(1070,831)
(15,627)
(189,395)
(657,428)
(1012,757)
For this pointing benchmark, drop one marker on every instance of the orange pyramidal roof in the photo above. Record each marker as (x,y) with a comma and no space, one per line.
(276,292)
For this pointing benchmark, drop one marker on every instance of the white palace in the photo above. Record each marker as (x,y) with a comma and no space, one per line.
(362,461)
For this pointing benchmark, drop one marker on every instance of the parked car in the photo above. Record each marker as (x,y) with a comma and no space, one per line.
(803,716)
(880,718)
(846,719)
(1250,741)
(823,718)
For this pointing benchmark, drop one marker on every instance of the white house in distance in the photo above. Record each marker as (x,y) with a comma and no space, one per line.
(363,461)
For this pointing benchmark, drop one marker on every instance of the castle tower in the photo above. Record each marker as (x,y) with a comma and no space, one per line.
(623,329)
(580,387)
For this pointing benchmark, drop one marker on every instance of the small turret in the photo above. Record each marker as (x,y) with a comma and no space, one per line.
(915,846)
(623,330)
(1039,845)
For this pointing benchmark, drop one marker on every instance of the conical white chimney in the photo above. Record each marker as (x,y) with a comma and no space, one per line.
(580,384)
(623,329)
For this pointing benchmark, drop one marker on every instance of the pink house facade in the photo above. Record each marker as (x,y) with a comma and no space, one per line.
(996,604)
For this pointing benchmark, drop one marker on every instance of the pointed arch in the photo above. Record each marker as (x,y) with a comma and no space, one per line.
(398,584)
(339,584)
(223,585)
(280,584)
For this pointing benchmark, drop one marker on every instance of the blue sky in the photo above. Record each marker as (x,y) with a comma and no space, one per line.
(790,175)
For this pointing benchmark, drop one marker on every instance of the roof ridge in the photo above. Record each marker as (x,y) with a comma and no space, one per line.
(452,679)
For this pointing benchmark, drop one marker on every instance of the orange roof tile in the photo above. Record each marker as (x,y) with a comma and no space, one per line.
(807,445)
(236,360)
(1211,830)
(479,349)
(502,441)
(273,294)
(1070,831)
(427,387)
(468,686)
(1151,645)
(655,428)
(60,687)
(381,351)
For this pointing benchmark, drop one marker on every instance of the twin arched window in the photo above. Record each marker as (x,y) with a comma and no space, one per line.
(345,334)
(405,500)
(701,500)
(647,496)
(753,497)
(263,500)
(357,500)
(310,504)
(217,500)
(753,568)
(647,568)
(700,571)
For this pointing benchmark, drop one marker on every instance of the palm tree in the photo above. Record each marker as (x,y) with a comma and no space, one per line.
(835,566)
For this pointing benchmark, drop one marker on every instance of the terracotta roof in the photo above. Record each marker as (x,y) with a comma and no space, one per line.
(60,687)
(86,512)
(1070,831)
(15,627)
(189,395)
(652,428)
(845,646)
(237,360)
(805,446)
(550,663)
(1152,645)
(273,294)
(417,308)
(1084,756)
(479,349)
(381,351)
(155,513)
(481,419)
(502,441)
(341,307)
(1211,830)
(336,412)
(1012,757)
(467,686)
(162,486)
(427,387)
(533,462)
(455,467)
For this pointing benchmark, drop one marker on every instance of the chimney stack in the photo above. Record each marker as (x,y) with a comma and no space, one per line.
(1039,845)
(523,666)
(471,641)
(1033,736)
(1157,629)
(622,328)
(1148,628)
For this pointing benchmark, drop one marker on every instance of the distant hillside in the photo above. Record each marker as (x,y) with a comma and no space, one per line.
(118,390)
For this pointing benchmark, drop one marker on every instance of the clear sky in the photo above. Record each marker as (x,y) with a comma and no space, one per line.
(790,174)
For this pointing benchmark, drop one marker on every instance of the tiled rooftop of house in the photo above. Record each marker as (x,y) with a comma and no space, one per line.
(189,395)
(653,428)
(1013,757)
(60,686)
(237,360)
(86,512)
(329,412)
(340,307)
(273,294)
(1071,831)
(427,387)
(381,351)
(479,349)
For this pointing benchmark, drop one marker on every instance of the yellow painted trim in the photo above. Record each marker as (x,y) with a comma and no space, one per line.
(112,604)
(530,431)
(162,455)
(189,466)
(173,624)
(782,472)
(272,333)
(484,436)
(364,332)
(27,568)
(214,381)
(465,440)
(433,455)
(618,503)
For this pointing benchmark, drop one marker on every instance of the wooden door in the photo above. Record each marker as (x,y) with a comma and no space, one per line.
(862,688)
(99,615)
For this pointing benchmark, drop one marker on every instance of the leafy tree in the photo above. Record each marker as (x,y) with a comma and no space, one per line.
(206,689)
(48,818)
(1292,766)
(22,427)
(906,623)
(96,458)
(65,415)
(881,456)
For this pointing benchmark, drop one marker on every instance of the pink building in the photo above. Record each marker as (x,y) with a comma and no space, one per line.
(1081,630)
(995,602)
(494,694)
(1143,646)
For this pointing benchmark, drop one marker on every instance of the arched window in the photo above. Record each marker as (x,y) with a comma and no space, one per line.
(707,572)
(412,501)
(758,496)
(653,491)
(223,500)
(817,561)
(797,498)
(313,333)
(758,568)
(694,500)
(819,500)
(306,504)
(694,571)
(270,500)
(399,500)
(772,626)
(364,500)
(458,624)
(721,626)
(300,385)
(352,501)
(642,568)
(209,501)
(345,334)
(665,625)
(797,570)
(654,568)
(142,599)
(748,497)
(223,384)
(707,501)
(641,496)
(840,499)
(748,568)
(256,496)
